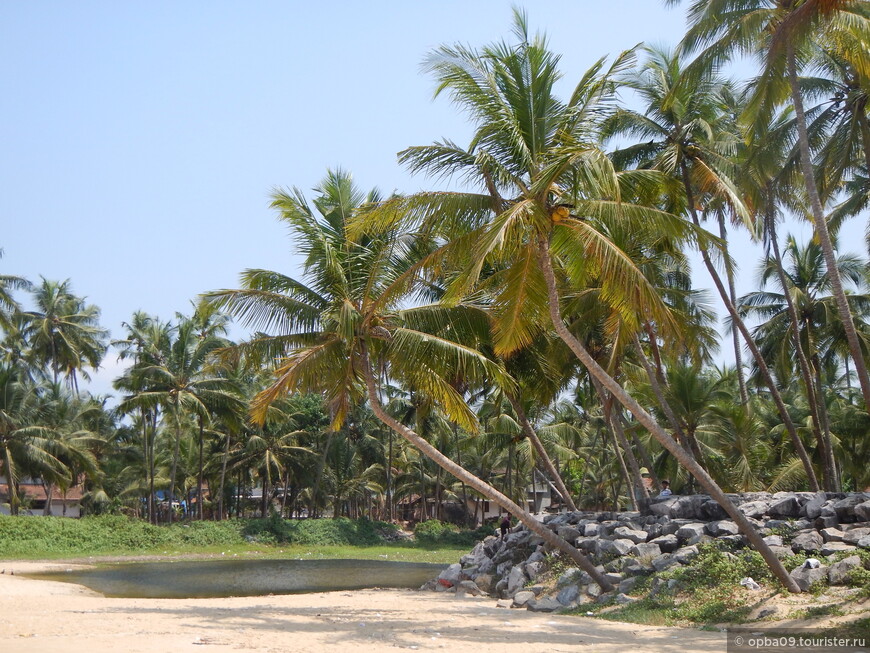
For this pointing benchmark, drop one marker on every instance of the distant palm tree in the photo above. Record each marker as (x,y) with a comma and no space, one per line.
(64,332)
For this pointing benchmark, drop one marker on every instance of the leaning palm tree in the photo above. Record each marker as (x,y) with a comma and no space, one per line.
(546,184)
(346,328)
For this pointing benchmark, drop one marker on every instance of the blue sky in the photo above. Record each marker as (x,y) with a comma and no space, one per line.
(141,140)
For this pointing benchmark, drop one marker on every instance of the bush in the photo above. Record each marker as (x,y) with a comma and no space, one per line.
(434,532)
(342,531)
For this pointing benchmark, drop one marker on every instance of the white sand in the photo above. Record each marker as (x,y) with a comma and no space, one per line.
(39,616)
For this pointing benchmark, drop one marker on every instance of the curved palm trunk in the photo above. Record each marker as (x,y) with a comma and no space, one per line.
(477,484)
(648,422)
(821,228)
(750,342)
(543,456)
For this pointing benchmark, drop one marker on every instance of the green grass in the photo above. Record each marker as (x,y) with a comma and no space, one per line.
(54,537)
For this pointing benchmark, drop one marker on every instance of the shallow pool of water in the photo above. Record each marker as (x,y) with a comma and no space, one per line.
(218,578)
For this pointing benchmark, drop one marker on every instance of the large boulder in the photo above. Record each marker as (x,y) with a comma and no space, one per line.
(647,549)
(838,573)
(845,508)
(805,576)
(619,547)
(754,509)
(807,541)
(667,543)
(636,536)
(862,511)
(787,506)
(568,594)
(691,533)
(813,507)
(721,528)
(854,535)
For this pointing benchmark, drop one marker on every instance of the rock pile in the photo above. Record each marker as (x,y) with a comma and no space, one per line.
(629,545)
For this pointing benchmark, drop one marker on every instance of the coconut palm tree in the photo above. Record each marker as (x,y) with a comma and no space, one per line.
(64,332)
(8,305)
(345,330)
(546,183)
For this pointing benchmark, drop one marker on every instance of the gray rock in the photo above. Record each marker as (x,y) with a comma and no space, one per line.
(854,535)
(735,541)
(754,508)
(832,534)
(805,577)
(616,547)
(504,603)
(516,579)
(862,511)
(570,575)
(591,530)
(667,543)
(838,573)
(453,574)
(568,533)
(594,590)
(521,598)
(724,527)
(785,507)
(535,569)
(468,587)
(590,545)
(545,604)
(864,542)
(691,533)
(646,549)
(568,595)
(627,586)
(830,548)
(689,507)
(663,561)
(827,521)
(782,551)
(622,599)
(807,541)
(813,507)
(773,540)
(845,508)
(686,554)
(484,582)
(636,536)
(662,507)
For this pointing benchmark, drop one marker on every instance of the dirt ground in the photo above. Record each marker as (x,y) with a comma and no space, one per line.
(38,616)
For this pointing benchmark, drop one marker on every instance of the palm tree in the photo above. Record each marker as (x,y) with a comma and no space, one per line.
(780,32)
(807,285)
(8,305)
(690,135)
(64,332)
(546,183)
(345,329)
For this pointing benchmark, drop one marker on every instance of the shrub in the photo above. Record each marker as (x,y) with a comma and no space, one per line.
(434,532)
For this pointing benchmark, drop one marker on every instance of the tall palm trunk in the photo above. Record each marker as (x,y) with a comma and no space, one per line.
(11,481)
(633,480)
(221,484)
(821,228)
(735,337)
(176,453)
(200,473)
(543,456)
(649,423)
(477,484)
(750,342)
(803,363)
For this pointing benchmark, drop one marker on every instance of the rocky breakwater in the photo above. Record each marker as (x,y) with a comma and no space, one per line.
(519,570)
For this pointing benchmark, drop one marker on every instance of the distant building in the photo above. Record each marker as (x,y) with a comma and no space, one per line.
(33,496)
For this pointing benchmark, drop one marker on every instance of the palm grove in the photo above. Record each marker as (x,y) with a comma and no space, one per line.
(541,322)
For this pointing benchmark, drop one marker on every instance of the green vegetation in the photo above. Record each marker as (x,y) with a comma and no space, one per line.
(52,537)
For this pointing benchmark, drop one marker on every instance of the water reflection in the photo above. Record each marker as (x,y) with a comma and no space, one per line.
(219,578)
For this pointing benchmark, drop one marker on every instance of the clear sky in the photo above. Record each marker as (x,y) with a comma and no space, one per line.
(139,141)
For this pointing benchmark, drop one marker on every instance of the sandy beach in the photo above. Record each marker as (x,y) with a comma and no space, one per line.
(39,616)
